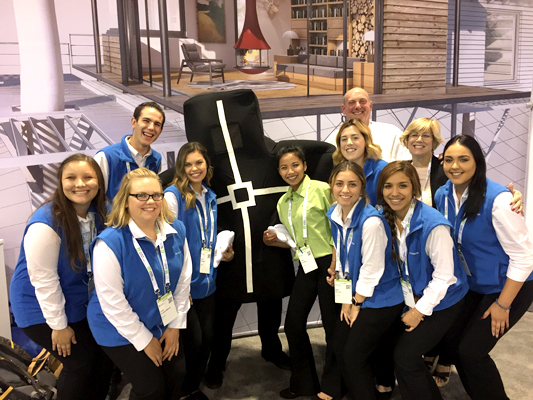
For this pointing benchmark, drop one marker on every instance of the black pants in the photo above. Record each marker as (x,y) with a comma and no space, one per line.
(470,340)
(414,379)
(197,340)
(304,378)
(354,346)
(86,372)
(269,321)
(148,381)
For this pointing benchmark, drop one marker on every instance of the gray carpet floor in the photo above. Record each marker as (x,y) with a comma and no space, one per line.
(249,377)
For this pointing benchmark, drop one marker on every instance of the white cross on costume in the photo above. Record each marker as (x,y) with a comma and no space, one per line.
(243,205)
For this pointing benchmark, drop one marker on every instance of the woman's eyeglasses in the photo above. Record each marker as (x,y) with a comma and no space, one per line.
(146,196)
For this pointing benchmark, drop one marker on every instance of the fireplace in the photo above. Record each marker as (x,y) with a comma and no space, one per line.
(251,49)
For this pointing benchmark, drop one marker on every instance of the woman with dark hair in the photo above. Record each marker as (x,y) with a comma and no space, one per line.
(432,278)
(52,281)
(421,138)
(497,255)
(354,143)
(142,273)
(367,282)
(303,212)
(192,202)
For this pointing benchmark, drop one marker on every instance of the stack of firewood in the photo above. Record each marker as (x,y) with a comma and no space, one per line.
(362,21)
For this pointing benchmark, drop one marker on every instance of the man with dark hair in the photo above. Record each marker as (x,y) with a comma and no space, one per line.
(134,151)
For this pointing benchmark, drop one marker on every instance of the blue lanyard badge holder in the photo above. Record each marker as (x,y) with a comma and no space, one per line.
(165,303)
(459,240)
(207,247)
(305,254)
(407,289)
(343,286)
(87,238)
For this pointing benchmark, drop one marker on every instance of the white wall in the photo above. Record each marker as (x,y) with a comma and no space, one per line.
(472,43)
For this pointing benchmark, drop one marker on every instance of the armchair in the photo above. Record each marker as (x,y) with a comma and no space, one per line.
(198,65)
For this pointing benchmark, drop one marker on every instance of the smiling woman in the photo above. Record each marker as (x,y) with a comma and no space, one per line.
(142,273)
(354,143)
(52,282)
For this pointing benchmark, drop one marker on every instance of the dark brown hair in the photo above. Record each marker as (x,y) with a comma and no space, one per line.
(64,214)
(390,169)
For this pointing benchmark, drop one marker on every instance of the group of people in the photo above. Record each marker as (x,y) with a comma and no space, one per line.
(410,260)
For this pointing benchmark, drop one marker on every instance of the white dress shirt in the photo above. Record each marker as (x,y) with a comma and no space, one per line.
(41,246)
(109,285)
(373,246)
(439,248)
(512,233)
(139,159)
(172,201)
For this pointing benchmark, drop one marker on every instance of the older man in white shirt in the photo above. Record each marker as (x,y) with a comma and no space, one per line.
(357,104)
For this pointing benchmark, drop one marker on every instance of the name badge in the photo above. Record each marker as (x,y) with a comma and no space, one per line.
(306,259)
(205,261)
(463,261)
(167,308)
(343,291)
(408,296)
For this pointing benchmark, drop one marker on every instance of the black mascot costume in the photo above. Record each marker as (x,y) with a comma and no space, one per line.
(248,186)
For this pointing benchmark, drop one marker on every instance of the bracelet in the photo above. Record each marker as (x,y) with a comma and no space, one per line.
(502,307)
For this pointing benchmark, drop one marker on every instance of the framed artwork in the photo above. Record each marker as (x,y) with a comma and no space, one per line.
(211,21)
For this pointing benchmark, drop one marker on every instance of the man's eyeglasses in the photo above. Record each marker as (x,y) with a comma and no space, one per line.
(146,196)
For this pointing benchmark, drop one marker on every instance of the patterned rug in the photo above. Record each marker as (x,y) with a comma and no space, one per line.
(232,85)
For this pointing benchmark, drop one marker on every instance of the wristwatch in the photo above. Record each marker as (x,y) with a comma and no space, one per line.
(356,303)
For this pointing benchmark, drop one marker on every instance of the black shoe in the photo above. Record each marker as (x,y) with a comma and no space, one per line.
(196,395)
(287,394)
(383,395)
(282,361)
(213,378)
(199,395)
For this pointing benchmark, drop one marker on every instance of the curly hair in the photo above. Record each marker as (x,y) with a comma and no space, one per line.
(372,150)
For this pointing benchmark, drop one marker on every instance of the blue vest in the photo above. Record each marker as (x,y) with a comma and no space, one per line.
(372,169)
(388,291)
(137,284)
(424,220)
(24,304)
(202,285)
(484,255)
(117,155)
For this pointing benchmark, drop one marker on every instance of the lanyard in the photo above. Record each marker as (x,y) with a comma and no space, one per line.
(461,227)
(338,265)
(86,244)
(407,230)
(427,181)
(204,228)
(128,167)
(149,268)
(304,216)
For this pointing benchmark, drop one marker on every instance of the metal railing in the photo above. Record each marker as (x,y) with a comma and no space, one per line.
(82,48)
(10,56)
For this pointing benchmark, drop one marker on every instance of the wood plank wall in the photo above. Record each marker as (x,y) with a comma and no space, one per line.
(111,47)
(414,45)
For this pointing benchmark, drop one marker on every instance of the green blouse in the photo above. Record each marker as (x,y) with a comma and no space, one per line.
(318,227)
